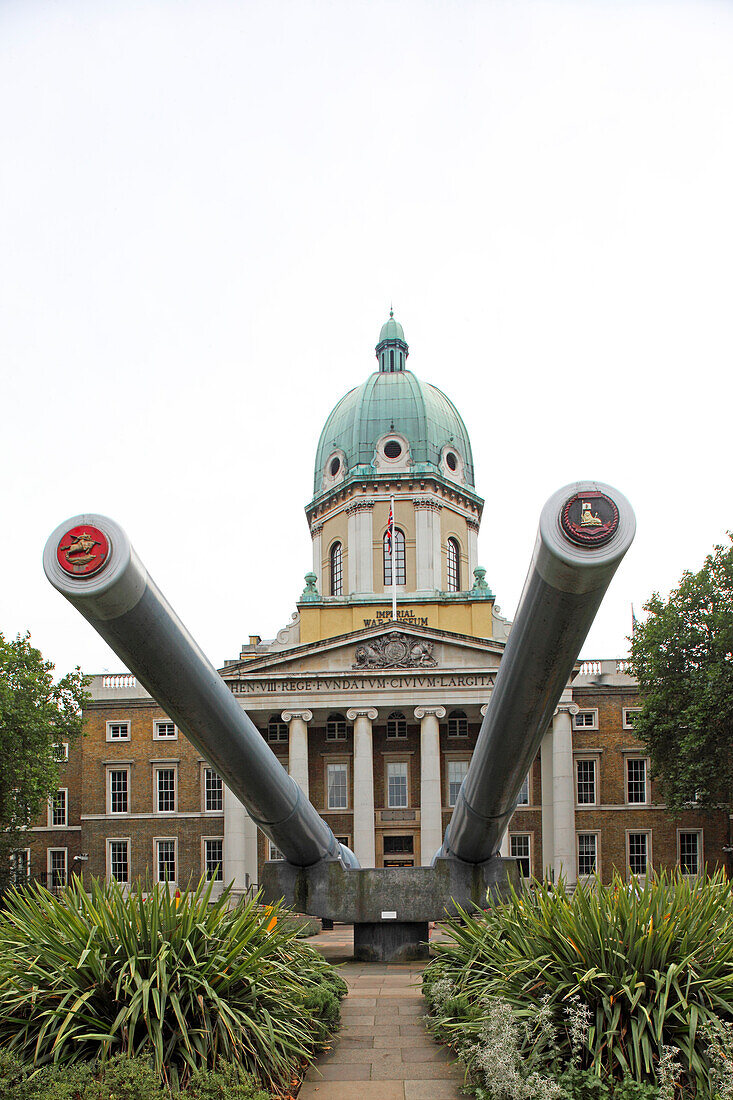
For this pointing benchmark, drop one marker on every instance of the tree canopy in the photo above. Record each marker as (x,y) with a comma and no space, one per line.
(37,715)
(682,656)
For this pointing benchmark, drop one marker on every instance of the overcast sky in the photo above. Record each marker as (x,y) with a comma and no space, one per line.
(207,207)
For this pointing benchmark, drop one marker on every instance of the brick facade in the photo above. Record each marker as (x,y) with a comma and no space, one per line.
(125,737)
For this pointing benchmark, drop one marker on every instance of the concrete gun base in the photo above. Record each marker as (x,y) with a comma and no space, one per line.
(390,907)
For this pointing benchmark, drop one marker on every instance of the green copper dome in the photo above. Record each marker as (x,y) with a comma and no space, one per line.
(393,404)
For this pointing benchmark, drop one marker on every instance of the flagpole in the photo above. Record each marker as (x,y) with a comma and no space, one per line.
(394,564)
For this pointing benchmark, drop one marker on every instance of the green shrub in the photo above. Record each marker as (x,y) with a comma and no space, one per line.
(226,1082)
(85,977)
(635,984)
(121,1078)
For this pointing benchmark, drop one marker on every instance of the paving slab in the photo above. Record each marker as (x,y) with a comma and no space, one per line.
(383,1050)
(363,1090)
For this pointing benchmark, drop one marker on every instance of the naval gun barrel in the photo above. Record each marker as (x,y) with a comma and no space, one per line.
(90,561)
(585,530)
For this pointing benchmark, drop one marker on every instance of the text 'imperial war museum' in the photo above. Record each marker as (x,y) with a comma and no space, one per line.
(375,716)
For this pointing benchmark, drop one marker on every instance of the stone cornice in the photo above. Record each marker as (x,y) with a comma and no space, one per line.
(399,483)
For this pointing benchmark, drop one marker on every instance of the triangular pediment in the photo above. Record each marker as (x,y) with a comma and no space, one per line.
(387,647)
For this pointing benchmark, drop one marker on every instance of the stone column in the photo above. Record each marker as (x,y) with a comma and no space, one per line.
(548,831)
(363,785)
(427,544)
(431,821)
(240,844)
(472,550)
(563,794)
(316,532)
(360,539)
(298,746)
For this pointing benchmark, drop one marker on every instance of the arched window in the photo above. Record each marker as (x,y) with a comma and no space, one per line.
(397,555)
(454,566)
(335,727)
(391,360)
(337,573)
(277,730)
(396,724)
(457,724)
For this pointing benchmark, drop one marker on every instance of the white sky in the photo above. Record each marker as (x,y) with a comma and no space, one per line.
(206,208)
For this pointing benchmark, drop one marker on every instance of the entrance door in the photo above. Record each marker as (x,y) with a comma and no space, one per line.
(399,851)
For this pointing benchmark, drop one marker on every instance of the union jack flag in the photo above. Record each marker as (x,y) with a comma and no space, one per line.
(390,529)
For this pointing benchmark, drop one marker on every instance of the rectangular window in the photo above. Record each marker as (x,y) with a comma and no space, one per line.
(164,730)
(457,724)
(587,853)
(58,807)
(118,731)
(275,853)
(399,845)
(214,859)
(398,555)
(586,720)
(277,731)
(396,724)
(690,853)
(165,851)
(523,799)
(119,860)
(456,774)
(337,785)
(397,785)
(213,790)
(629,714)
(165,782)
(61,751)
(20,867)
(119,790)
(519,850)
(636,780)
(336,729)
(638,853)
(585,771)
(56,868)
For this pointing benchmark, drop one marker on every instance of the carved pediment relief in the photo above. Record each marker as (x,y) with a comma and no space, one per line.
(395,650)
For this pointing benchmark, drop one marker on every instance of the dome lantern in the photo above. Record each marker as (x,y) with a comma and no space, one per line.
(392,349)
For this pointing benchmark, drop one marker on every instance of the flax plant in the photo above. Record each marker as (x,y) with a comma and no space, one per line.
(88,975)
(650,967)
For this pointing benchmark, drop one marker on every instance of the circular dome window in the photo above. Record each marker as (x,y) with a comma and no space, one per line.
(451,461)
(392,449)
(335,466)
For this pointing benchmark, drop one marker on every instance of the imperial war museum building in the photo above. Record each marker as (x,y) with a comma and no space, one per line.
(375,717)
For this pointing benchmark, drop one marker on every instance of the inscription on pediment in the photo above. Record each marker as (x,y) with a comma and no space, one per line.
(395,650)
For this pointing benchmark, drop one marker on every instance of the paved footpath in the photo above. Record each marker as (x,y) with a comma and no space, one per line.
(383,1051)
